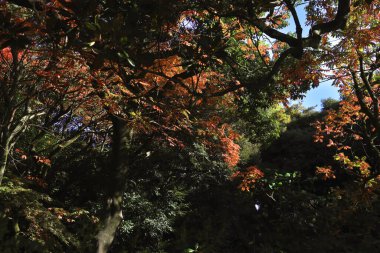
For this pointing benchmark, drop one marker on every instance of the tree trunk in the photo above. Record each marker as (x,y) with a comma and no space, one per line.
(116,184)
(112,221)
(4,153)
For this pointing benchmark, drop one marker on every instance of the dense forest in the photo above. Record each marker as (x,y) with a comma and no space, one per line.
(168,126)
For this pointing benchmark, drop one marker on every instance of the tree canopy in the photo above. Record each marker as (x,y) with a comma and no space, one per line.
(158,102)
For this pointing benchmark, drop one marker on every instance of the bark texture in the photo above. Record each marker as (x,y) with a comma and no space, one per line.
(117,184)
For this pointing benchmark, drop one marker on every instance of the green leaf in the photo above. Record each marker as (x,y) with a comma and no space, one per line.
(186,113)
(90,26)
(131,62)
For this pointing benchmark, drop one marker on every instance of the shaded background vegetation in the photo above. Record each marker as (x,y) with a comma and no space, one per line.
(185,201)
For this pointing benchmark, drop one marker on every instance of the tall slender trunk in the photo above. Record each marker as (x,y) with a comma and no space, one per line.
(4,153)
(116,184)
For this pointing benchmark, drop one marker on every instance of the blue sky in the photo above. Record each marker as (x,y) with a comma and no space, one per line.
(314,96)
(324,90)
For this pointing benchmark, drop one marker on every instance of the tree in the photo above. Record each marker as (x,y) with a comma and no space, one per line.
(34,81)
(353,128)
(140,57)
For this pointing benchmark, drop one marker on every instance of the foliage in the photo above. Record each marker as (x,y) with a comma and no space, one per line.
(352,128)
(151,117)
(34,222)
(304,154)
